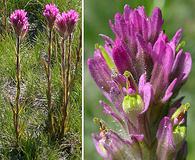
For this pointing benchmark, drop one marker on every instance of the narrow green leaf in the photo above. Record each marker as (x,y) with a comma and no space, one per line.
(107,58)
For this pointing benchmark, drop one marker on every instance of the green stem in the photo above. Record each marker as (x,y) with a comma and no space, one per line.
(72,79)
(56,47)
(78,50)
(5,14)
(50,112)
(63,72)
(68,71)
(68,81)
(16,117)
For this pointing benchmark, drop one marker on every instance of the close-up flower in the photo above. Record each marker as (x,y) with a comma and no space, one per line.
(140,72)
(50,13)
(19,21)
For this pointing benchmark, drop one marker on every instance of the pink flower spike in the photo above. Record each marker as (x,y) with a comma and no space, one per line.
(61,24)
(72,18)
(65,22)
(50,13)
(19,21)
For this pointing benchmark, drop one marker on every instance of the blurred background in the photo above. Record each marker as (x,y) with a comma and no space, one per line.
(176,14)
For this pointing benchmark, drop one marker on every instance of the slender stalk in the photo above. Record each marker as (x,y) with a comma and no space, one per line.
(63,72)
(50,109)
(56,47)
(17,99)
(78,51)
(5,15)
(72,79)
(68,81)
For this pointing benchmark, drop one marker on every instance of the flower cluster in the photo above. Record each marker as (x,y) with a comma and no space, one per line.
(65,22)
(50,12)
(140,73)
(19,21)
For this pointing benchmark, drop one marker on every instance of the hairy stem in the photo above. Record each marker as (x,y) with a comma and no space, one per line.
(78,53)
(63,72)
(50,109)
(72,79)
(55,39)
(5,15)
(68,76)
(17,99)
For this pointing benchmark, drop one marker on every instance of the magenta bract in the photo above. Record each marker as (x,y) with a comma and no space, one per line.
(50,13)
(66,22)
(19,21)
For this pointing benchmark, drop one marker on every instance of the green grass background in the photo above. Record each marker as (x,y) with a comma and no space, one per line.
(176,14)
(34,143)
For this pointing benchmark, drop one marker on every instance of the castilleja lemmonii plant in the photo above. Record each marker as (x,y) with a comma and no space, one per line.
(65,24)
(50,12)
(140,72)
(20,24)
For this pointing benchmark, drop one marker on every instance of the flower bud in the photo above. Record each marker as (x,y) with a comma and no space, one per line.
(133,103)
(179,134)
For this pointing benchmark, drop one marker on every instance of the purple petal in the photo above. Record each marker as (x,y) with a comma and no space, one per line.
(175,40)
(127,12)
(165,147)
(137,137)
(107,39)
(169,91)
(100,72)
(144,60)
(119,27)
(119,79)
(163,59)
(142,82)
(141,11)
(108,110)
(158,80)
(145,29)
(132,39)
(147,94)
(158,49)
(124,149)
(182,66)
(111,146)
(121,58)
(136,20)
(168,60)
(116,96)
(99,144)
(142,45)
(156,22)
